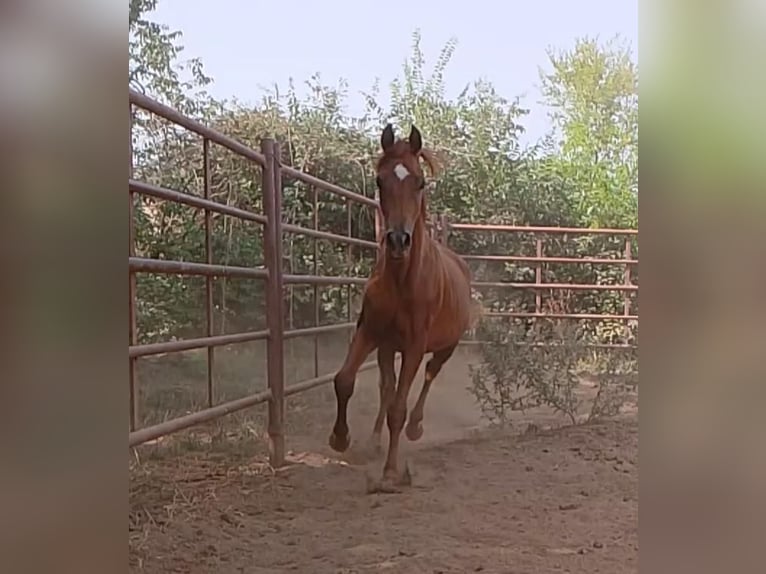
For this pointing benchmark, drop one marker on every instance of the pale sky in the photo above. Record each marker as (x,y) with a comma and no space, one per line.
(247,45)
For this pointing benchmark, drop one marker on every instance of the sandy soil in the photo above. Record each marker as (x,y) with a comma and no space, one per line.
(482,500)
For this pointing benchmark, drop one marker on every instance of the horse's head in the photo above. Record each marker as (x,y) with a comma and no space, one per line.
(401,187)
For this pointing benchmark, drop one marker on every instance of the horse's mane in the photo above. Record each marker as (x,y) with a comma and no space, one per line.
(432,161)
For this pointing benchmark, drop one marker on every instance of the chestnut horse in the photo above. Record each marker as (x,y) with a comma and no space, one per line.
(417,301)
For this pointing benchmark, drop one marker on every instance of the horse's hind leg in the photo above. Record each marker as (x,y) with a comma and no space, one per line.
(361,346)
(414,429)
(387,385)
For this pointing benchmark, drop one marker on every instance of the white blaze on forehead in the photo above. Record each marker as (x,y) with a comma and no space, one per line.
(401,171)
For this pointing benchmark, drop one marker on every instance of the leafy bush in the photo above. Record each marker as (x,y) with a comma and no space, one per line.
(546,364)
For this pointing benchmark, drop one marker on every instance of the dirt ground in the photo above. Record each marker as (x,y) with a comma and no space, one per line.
(533,499)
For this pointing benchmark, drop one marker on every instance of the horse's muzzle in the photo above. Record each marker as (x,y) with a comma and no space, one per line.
(398,241)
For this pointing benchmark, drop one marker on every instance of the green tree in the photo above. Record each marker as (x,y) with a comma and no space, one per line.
(592,92)
(155,65)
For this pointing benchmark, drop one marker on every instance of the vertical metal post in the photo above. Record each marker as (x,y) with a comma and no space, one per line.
(315,287)
(626,280)
(278,201)
(538,276)
(132,334)
(272,241)
(444,231)
(290,258)
(291,293)
(208,259)
(349,264)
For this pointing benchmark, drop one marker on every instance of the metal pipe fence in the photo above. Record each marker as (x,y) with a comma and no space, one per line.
(271,273)
(538,286)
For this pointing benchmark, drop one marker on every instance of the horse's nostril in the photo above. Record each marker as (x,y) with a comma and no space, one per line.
(398,239)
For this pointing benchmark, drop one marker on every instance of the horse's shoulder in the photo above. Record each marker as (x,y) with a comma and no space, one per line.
(379,293)
(372,287)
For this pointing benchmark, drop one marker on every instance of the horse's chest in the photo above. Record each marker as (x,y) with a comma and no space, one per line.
(403,322)
(393,320)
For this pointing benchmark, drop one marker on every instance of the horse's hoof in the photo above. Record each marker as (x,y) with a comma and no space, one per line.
(385,486)
(339,443)
(414,432)
(390,483)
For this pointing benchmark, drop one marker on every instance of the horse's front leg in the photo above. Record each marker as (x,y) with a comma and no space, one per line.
(387,384)
(412,356)
(361,346)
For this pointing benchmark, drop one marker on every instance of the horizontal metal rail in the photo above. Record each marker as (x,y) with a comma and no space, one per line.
(532,259)
(326,186)
(529,229)
(193,201)
(322,280)
(472,342)
(231,339)
(189,268)
(146,434)
(174,425)
(197,343)
(572,286)
(329,236)
(531,315)
(178,118)
(321,330)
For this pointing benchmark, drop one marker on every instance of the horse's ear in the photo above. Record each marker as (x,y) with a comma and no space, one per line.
(387,137)
(416,140)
